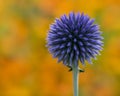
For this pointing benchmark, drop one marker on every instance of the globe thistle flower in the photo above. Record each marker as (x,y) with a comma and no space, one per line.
(74,38)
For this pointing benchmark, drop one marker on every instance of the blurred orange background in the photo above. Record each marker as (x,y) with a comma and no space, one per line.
(26,66)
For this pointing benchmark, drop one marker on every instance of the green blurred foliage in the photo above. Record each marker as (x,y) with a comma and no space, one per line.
(26,66)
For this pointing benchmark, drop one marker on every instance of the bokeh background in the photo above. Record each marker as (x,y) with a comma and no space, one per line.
(26,66)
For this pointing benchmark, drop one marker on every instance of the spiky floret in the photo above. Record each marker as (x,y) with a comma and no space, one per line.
(74,37)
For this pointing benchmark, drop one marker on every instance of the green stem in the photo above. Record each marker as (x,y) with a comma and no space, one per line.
(75,79)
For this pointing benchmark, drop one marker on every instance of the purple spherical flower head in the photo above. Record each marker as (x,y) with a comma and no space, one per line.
(73,38)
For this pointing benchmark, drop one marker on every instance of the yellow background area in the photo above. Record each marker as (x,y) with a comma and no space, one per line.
(26,66)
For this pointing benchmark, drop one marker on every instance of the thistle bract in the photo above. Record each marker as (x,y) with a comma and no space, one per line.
(74,38)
